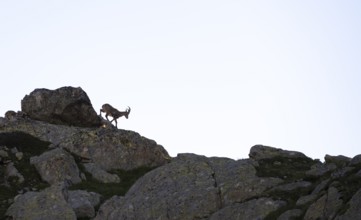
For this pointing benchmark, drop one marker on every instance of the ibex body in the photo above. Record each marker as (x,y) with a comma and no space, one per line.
(113,112)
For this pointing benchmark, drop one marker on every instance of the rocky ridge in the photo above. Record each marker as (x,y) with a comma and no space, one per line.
(58,170)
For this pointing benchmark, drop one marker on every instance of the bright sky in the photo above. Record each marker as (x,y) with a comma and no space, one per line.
(207,77)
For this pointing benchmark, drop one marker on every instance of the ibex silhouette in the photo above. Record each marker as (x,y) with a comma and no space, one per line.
(113,112)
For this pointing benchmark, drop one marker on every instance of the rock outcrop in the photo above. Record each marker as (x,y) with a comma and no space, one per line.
(66,105)
(274,184)
(107,147)
(50,203)
(50,170)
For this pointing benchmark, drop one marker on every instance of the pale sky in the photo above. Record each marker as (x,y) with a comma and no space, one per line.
(207,77)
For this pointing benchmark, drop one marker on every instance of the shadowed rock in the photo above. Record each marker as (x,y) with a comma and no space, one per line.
(259,152)
(108,148)
(83,203)
(50,203)
(56,166)
(66,105)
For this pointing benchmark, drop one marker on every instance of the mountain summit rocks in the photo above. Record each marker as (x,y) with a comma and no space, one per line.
(75,169)
(66,105)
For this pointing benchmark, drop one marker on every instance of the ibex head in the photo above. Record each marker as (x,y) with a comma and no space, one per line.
(127,111)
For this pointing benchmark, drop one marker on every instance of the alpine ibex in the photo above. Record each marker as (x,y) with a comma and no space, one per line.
(113,112)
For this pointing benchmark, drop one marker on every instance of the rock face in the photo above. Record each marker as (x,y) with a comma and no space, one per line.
(66,105)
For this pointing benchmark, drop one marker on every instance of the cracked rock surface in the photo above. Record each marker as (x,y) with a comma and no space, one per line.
(193,187)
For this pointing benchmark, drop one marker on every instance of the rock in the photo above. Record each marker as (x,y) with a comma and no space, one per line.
(108,207)
(259,152)
(342,172)
(14,150)
(19,155)
(100,174)
(117,149)
(190,187)
(83,203)
(56,166)
(291,214)
(4,154)
(237,180)
(321,187)
(253,209)
(325,207)
(11,171)
(339,161)
(358,174)
(355,206)
(66,105)
(182,189)
(272,184)
(318,170)
(333,204)
(48,204)
(356,160)
(10,115)
(106,147)
(315,211)
(306,199)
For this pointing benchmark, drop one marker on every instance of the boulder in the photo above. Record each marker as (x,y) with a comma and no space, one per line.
(48,204)
(100,174)
(11,171)
(339,160)
(108,207)
(66,105)
(259,152)
(83,203)
(183,189)
(56,166)
(189,187)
